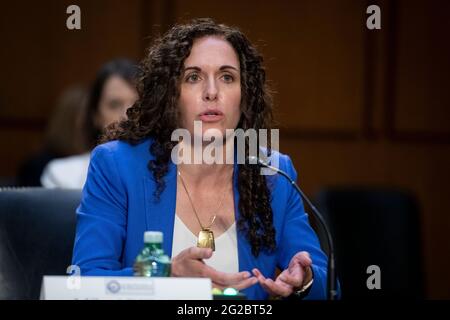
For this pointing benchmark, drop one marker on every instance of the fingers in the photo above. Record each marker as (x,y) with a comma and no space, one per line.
(294,279)
(199,253)
(221,280)
(189,262)
(245,283)
(289,279)
(259,275)
(295,270)
(272,287)
(281,289)
(225,279)
(261,280)
(301,257)
(238,281)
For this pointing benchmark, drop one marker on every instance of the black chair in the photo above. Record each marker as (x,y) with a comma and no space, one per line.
(37,230)
(375,226)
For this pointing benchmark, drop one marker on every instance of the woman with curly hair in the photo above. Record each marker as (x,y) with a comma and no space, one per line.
(206,72)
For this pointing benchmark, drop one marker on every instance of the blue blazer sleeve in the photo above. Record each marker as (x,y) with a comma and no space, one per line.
(101,218)
(299,236)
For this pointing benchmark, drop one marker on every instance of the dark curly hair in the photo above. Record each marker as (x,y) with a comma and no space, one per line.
(155,115)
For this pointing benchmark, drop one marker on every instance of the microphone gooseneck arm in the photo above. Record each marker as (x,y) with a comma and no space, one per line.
(331,271)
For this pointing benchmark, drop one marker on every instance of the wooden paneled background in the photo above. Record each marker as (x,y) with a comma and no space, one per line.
(355,106)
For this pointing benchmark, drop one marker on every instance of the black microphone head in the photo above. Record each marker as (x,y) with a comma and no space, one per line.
(256,161)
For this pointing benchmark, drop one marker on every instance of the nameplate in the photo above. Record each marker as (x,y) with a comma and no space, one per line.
(125,288)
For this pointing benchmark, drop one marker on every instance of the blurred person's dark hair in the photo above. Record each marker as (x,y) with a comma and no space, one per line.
(123,68)
(62,136)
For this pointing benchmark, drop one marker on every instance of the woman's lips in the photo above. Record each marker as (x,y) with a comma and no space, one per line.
(211,117)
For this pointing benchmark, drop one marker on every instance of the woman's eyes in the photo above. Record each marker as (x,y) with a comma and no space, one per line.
(115,104)
(194,77)
(228,77)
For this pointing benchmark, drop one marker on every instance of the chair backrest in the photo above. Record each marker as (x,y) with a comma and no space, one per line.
(375,226)
(37,230)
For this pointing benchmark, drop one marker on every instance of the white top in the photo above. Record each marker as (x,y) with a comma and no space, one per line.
(224,259)
(69,172)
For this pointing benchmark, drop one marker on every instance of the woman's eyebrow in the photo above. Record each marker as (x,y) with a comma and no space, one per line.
(192,68)
(228,67)
(221,68)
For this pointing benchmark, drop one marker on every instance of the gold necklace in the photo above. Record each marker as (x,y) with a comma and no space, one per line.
(206,236)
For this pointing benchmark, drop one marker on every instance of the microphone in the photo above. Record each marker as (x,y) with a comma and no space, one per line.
(331,271)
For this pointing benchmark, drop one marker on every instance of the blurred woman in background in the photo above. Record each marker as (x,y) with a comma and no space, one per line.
(112,93)
(62,137)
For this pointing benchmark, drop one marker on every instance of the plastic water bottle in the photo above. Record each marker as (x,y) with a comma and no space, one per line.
(152,262)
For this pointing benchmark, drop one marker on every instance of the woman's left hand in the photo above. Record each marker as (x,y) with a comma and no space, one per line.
(294,277)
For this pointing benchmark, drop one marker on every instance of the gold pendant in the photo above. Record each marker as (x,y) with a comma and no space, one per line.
(206,239)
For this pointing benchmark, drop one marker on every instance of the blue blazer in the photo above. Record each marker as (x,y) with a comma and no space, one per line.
(117,207)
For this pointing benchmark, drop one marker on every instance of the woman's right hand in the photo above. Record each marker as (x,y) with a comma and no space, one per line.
(189,263)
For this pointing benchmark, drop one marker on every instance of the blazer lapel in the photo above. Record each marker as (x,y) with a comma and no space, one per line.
(160,215)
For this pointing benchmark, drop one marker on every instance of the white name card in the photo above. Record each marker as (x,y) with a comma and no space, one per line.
(125,288)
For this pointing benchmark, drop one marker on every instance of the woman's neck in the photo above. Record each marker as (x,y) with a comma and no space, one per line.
(206,173)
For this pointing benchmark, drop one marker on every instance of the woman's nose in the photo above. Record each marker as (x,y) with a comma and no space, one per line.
(210,90)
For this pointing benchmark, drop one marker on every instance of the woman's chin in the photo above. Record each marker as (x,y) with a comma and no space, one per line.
(209,133)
